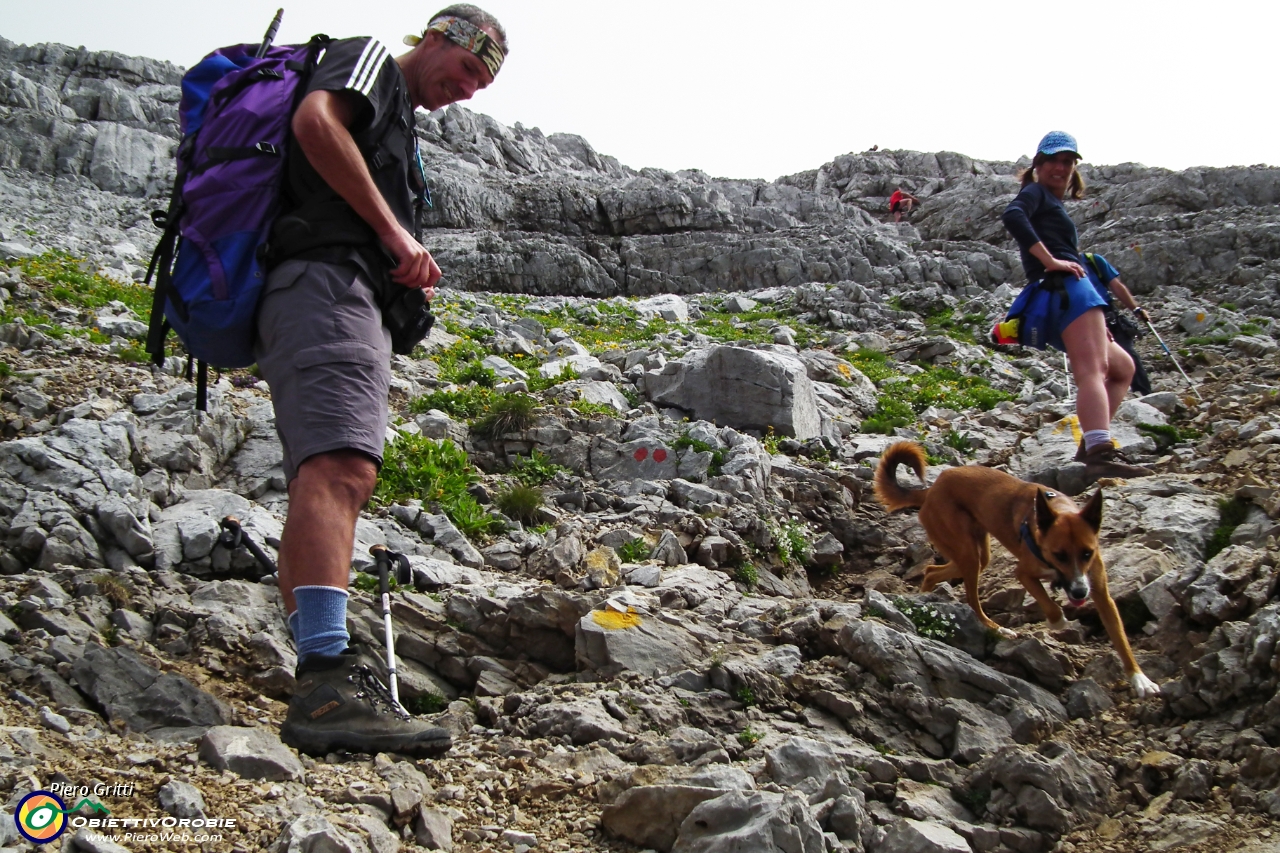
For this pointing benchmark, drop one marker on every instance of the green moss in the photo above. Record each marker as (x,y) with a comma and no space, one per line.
(426,703)
(1231,514)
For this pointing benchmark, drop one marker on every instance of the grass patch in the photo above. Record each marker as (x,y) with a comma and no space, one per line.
(929,621)
(1231,514)
(113,589)
(900,402)
(635,551)
(535,469)
(957,328)
(958,441)
(473,372)
(745,695)
(5,370)
(521,503)
(749,737)
(469,401)
(792,542)
(1204,340)
(438,472)
(587,408)
(747,573)
(508,413)
(538,382)
(74,282)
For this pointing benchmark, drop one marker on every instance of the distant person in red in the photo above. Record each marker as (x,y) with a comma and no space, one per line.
(900,203)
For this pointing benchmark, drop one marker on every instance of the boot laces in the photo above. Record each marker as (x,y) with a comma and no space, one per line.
(377,694)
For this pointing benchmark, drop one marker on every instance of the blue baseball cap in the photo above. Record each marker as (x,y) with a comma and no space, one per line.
(1057,141)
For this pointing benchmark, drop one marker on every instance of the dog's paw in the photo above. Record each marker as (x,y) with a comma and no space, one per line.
(1143,687)
(1007,633)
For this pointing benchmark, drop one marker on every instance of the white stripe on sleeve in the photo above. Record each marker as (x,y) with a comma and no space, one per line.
(367,68)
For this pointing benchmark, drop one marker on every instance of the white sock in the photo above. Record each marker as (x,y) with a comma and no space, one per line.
(1094,437)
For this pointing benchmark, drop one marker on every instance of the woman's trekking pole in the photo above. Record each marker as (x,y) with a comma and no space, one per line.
(1066,368)
(1165,347)
(271,34)
(382,557)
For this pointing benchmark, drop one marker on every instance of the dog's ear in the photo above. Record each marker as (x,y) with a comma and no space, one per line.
(1045,515)
(1092,512)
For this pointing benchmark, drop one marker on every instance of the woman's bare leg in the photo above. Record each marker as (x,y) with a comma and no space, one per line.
(1089,349)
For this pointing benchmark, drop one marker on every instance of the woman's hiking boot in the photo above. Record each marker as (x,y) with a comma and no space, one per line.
(340,704)
(1104,460)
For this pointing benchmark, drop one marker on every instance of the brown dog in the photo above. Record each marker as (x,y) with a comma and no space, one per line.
(1049,535)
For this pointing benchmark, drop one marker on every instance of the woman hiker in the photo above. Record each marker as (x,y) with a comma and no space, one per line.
(1039,221)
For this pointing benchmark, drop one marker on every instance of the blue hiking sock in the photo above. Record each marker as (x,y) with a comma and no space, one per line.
(322,620)
(295,627)
(1094,437)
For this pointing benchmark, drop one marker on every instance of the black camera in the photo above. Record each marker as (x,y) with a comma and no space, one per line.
(408,317)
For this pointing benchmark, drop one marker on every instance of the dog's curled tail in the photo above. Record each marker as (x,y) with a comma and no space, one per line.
(888,492)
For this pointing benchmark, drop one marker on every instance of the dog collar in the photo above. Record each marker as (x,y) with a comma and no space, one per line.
(1027,539)
(1032,545)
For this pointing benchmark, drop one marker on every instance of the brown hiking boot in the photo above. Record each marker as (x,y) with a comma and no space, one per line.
(339,704)
(1079,457)
(1105,460)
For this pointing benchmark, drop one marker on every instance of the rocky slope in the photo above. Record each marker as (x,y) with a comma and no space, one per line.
(664,611)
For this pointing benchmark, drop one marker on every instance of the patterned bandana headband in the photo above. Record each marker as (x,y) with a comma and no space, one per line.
(468,36)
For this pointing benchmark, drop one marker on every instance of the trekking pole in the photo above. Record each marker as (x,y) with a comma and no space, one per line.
(1066,368)
(270,36)
(382,557)
(1165,347)
(233,536)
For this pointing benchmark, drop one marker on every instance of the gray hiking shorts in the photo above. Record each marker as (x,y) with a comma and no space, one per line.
(322,349)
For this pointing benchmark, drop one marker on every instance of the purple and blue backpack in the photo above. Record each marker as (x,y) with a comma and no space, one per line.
(235,117)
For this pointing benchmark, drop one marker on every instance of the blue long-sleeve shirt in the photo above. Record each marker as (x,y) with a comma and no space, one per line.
(1038,216)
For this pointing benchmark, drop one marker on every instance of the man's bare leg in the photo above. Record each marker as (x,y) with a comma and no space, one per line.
(325,500)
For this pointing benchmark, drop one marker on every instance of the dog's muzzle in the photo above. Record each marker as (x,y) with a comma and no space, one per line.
(1077,593)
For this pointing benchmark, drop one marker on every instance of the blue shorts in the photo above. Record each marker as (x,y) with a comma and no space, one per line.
(1082,296)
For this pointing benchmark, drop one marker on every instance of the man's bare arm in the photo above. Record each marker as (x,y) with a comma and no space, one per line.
(320,125)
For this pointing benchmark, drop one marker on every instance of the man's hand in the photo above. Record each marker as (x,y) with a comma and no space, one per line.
(1141,314)
(414,265)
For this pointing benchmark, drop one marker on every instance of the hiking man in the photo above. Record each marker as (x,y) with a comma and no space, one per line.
(344,249)
(900,203)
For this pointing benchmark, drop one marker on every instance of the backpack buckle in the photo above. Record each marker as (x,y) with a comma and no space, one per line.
(267,148)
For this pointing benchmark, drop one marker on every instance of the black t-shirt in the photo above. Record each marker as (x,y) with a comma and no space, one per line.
(317,222)
(1038,216)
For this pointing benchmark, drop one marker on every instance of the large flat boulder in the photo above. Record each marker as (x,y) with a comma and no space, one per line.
(741,388)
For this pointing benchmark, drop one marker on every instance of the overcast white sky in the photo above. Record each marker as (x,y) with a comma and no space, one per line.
(757,90)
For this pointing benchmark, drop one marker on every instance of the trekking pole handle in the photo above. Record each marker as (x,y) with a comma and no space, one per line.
(271,34)
(382,559)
